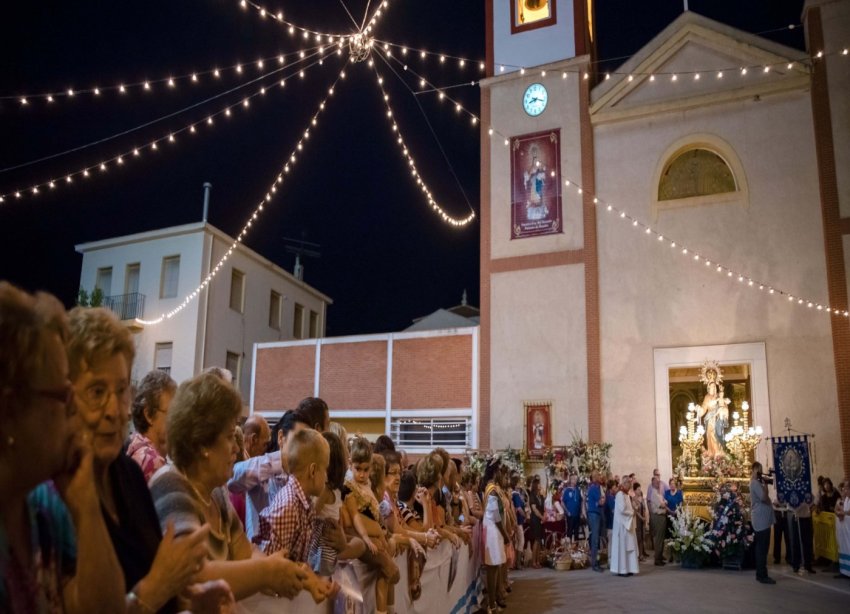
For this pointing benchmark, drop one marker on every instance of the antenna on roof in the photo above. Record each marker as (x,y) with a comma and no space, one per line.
(299,247)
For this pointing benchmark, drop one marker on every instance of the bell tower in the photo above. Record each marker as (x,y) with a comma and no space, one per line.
(539,339)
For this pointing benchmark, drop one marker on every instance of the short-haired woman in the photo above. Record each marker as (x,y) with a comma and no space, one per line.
(147,446)
(190,494)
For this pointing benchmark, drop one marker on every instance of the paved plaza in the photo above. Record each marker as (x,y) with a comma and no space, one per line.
(672,589)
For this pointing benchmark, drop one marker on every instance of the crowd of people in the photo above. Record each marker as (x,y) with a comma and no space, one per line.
(196,510)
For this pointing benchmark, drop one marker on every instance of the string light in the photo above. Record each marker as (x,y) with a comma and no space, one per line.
(253,217)
(692,255)
(148,85)
(170,136)
(414,172)
(293,28)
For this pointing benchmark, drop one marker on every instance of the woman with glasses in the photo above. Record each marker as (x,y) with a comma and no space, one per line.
(147,446)
(157,568)
(42,569)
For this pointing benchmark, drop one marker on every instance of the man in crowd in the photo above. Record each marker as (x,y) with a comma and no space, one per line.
(257,435)
(657,517)
(761,515)
(595,508)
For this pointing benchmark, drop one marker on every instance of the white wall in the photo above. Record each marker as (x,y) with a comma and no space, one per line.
(231,331)
(533,47)
(652,297)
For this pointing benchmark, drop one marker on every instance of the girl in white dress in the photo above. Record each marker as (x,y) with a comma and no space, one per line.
(494,535)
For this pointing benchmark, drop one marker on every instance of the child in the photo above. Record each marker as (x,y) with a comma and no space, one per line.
(363,509)
(287,523)
(329,543)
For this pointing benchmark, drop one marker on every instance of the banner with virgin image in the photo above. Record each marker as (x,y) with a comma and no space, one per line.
(793,469)
(536,184)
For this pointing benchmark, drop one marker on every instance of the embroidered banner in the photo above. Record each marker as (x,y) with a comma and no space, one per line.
(793,469)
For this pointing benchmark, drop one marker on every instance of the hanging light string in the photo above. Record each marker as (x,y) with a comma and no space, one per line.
(240,69)
(692,255)
(400,141)
(444,58)
(153,145)
(307,33)
(288,164)
(414,172)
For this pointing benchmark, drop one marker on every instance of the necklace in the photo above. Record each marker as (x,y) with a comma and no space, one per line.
(205,500)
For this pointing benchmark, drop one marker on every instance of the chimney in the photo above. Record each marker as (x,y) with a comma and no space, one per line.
(207,187)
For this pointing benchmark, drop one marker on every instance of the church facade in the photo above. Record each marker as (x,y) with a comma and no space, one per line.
(685,208)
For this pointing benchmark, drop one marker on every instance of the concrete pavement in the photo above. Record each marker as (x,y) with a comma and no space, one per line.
(673,589)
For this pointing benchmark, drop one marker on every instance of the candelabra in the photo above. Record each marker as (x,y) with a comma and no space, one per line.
(691,438)
(742,439)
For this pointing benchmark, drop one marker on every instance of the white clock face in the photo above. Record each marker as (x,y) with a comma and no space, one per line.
(535,98)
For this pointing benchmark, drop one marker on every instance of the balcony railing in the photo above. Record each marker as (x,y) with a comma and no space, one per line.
(126,306)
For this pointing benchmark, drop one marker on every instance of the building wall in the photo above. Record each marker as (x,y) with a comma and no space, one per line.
(231,331)
(534,47)
(179,330)
(652,296)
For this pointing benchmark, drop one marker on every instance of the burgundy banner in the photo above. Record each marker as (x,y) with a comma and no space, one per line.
(536,184)
(538,427)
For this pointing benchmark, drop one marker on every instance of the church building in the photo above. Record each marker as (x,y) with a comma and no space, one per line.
(690,207)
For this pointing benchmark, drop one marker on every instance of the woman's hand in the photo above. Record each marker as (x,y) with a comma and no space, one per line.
(213,597)
(75,482)
(177,562)
(319,588)
(370,545)
(285,577)
(432,538)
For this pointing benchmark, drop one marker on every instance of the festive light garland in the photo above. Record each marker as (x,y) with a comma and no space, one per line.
(153,145)
(412,164)
(291,160)
(692,255)
(462,62)
(307,33)
(171,82)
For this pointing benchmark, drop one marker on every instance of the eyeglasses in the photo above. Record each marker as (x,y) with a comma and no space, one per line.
(97,396)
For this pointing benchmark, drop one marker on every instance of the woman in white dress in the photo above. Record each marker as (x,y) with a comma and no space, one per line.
(494,534)
(623,549)
(842,529)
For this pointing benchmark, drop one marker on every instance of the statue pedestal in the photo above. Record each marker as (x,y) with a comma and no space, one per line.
(699,494)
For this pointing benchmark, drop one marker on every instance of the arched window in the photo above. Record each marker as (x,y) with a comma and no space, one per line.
(696,172)
(699,170)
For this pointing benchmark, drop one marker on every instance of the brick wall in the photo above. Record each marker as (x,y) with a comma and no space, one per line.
(283,378)
(432,372)
(354,375)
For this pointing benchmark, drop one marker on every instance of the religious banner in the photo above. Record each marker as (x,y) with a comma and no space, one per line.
(536,184)
(793,469)
(538,427)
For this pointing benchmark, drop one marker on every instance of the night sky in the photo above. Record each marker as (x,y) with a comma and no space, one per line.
(385,257)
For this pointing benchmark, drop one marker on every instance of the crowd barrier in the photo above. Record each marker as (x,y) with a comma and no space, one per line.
(826,544)
(451,584)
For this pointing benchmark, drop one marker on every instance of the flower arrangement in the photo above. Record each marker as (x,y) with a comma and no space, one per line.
(690,535)
(584,457)
(513,459)
(729,534)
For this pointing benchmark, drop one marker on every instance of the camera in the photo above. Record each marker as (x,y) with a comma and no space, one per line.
(766,479)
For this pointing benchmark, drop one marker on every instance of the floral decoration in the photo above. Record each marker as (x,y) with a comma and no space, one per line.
(730,534)
(690,534)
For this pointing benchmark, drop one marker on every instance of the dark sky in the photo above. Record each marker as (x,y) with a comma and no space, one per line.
(385,257)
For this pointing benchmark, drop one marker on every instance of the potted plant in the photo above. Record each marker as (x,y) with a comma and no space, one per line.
(730,534)
(690,540)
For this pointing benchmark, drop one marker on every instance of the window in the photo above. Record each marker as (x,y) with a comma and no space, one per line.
(131,279)
(162,357)
(696,172)
(531,14)
(428,433)
(233,363)
(237,290)
(103,282)
(314,325)
(274,310)
(170,277)
(298,322)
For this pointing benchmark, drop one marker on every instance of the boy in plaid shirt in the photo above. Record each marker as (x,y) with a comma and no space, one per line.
(287,523)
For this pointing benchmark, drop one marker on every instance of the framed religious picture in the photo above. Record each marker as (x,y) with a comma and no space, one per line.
(538,427)
(536,184)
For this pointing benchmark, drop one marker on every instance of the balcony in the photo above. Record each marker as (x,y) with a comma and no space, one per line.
(127,307)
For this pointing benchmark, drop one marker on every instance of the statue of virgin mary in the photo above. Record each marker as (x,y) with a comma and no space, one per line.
(713,412)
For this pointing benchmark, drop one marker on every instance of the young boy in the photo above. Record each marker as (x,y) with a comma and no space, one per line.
(287,523)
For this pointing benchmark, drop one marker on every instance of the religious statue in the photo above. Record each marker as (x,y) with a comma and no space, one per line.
(538,431)
(534,180)
(713,412)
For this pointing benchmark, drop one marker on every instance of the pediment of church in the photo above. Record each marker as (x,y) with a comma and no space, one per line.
(679,69)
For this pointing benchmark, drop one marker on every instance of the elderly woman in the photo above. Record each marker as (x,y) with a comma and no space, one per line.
(156,568)
(190,493)
(150,407)
(41,569)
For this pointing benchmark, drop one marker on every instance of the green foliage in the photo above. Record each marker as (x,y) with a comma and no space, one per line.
(96,298)
(83,297)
